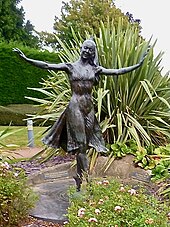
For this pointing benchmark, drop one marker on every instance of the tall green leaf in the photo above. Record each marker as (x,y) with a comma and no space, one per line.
(135,105)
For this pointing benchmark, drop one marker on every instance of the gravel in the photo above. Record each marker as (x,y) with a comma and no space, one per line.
(33,222)
(33,166)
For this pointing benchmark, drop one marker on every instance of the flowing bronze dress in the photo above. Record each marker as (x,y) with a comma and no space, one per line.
(77,126)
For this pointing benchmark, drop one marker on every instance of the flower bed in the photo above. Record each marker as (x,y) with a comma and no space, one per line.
(108,203)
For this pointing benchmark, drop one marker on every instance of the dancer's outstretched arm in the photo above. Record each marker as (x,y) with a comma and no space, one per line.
(118,71)
(122,70)
(41,64)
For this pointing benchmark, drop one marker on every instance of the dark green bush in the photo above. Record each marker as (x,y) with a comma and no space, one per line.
(16,75)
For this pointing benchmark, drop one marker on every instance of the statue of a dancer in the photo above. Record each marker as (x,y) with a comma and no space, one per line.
(77,126)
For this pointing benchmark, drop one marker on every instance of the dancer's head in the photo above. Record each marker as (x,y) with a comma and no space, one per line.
(89,52)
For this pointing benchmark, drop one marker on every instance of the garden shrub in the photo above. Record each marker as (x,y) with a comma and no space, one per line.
(17,114)
(109,203)
(9,116)
(16,75)
(16,197)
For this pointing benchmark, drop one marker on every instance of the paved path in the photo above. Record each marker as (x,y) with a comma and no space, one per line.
(51,184)
(24,152)
(54,201)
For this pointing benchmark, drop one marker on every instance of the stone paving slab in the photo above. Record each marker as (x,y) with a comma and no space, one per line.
(26,152)
(54,201)
(56,172)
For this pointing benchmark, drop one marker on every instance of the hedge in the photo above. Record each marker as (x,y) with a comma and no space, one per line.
(16,115)
(16,75)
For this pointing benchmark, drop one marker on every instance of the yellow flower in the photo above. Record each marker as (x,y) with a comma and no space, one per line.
(122,189)
(101,201)
(91,203)
(149,221)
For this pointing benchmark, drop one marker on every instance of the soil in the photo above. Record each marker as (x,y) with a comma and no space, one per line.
(33,222)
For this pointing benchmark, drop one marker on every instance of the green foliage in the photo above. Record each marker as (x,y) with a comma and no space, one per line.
(16,197)
(112,204)
(120,149)
(3,134)
(164,191)
(161,157)
(136,104)
(156,159)
(16,75)
(12,27)
(116,150)
(132,106)
(6,132)
(161,170)
(85,16)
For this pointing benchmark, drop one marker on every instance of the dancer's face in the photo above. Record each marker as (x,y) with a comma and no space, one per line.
(88,50)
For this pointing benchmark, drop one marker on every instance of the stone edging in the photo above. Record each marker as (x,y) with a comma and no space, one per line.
(47,174)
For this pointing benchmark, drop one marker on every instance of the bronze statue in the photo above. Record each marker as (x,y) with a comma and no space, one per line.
(77,128)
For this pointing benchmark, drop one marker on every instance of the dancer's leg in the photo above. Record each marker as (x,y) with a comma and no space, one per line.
(82,167)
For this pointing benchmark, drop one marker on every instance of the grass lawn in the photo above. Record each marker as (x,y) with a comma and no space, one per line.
(20,137)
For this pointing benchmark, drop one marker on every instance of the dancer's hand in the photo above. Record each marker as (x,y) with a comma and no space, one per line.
(144,55)
(18,51)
